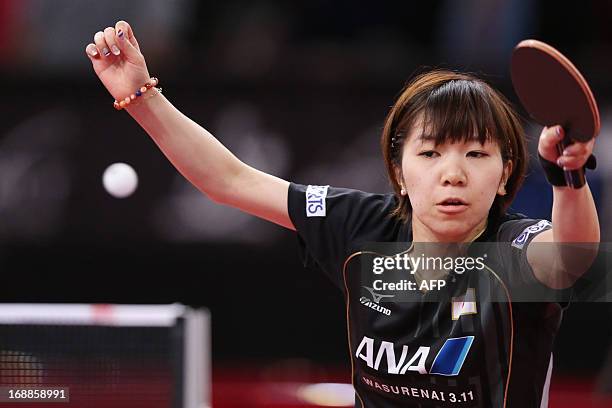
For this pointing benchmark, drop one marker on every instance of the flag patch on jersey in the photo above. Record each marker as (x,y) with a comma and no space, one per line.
(464,305)
(315,201)
(520,241)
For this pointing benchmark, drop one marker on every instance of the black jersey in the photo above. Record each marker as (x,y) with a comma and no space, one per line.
(460,346)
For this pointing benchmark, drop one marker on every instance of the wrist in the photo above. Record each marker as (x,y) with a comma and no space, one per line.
(143,98)
(557,177)
(145,104)
(137,95)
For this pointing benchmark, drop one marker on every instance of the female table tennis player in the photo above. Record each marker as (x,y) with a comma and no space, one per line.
(455,154)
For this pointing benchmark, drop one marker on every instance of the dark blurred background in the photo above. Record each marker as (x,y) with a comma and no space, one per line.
(299,90)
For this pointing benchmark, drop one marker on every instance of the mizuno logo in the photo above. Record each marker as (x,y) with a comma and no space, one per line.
(374,306)
(375,296)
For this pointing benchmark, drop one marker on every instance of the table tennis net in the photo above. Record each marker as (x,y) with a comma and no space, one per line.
(112,357)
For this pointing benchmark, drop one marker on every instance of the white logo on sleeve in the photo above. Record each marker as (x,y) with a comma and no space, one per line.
(521,240)
(315,201)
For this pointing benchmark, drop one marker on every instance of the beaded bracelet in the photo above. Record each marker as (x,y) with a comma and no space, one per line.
(140,92)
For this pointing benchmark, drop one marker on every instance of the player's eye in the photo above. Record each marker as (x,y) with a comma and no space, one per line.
(477,154)
(429,154)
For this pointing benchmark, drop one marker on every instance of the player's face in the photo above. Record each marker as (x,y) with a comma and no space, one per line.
(451,186)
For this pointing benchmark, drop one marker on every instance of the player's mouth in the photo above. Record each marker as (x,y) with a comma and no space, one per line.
(452,205)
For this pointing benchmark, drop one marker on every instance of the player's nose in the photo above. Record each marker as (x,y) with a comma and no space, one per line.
(453,174)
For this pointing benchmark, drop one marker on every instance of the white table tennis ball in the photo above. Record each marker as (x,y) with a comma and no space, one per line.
(120,180)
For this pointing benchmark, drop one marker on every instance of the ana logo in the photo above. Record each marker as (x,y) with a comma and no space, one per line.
(448,361)
(315,201)
(520,241)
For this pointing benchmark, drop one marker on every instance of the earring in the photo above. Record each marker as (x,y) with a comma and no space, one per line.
(403,191)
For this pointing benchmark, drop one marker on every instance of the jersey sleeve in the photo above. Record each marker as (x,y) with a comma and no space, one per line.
(514,237)
(332,223)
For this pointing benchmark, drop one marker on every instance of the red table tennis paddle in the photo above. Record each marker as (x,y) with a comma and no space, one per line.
(553,92)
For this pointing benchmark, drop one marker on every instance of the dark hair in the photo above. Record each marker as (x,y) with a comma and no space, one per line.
(455,107)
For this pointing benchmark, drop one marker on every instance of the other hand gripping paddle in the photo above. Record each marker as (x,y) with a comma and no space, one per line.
(554,92)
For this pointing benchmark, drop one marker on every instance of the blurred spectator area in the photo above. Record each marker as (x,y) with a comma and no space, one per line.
(300,91)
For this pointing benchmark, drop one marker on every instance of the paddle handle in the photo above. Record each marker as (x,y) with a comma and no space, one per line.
(573,178)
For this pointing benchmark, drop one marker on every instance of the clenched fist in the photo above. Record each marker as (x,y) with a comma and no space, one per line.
(117,60)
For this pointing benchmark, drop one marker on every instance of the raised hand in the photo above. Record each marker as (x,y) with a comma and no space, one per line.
(117,60)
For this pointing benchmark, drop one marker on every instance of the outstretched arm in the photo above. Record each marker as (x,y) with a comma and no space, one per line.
(195,152)
(574,219)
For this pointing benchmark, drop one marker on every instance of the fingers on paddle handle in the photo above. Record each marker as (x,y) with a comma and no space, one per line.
(564,139)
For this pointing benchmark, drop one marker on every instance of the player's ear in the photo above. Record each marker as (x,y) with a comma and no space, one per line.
(501,189)
(399,179)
